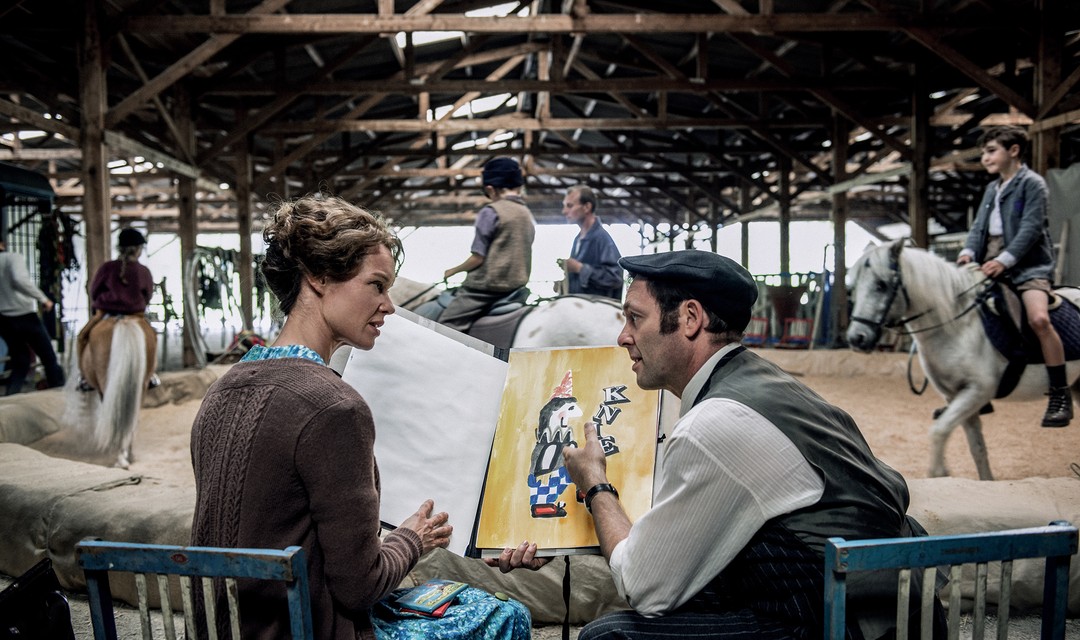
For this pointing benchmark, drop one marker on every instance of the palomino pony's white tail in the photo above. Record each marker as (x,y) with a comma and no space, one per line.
(119,414)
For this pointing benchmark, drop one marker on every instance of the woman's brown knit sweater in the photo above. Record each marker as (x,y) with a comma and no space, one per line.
(283,455)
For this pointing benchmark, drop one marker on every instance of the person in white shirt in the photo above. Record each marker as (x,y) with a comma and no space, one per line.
(757,473)
(20,325)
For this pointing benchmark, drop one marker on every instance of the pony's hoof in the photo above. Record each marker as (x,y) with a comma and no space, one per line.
(939,473)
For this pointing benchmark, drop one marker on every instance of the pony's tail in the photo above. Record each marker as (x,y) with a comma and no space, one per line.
(126,376)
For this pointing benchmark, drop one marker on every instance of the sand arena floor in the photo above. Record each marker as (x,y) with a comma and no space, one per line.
(872,388)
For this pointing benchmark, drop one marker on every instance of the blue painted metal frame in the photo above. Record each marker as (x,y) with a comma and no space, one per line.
(1056,542)
(97,558)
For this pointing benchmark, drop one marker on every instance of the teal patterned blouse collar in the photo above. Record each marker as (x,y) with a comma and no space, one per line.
(259,352)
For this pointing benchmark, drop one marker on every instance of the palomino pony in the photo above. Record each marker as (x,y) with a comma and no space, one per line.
(934,301)
(118,362)
(566,321)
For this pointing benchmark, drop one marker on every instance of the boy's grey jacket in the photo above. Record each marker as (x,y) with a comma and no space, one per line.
(1025,227)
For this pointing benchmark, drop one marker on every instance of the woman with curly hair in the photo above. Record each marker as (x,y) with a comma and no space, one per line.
(283,450)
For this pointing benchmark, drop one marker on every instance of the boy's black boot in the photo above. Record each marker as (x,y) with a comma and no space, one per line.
(1059,410)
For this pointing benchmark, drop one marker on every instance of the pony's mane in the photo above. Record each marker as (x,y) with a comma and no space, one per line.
(937,283)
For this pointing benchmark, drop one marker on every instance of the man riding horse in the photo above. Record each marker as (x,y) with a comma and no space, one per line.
(121,287)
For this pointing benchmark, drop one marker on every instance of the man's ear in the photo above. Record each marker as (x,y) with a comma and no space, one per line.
(693,319)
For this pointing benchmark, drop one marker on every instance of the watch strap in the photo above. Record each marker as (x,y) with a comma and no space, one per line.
(599,488)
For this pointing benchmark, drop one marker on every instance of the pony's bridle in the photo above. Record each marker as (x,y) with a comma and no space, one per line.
(895,287)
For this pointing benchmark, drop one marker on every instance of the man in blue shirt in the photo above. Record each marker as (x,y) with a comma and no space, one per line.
(593,265)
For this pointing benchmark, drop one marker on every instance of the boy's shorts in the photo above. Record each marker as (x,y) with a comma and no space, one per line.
(1035,284)
(994,246)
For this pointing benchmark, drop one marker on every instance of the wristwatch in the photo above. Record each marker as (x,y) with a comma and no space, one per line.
(591,493)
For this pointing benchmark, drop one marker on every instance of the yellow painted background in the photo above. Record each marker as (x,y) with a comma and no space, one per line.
(505,519)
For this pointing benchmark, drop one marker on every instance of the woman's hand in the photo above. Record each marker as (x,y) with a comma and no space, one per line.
(524,555)
(432,529)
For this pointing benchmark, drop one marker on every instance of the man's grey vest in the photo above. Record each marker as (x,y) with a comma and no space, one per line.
(863,498)
(508,263)
(779,574)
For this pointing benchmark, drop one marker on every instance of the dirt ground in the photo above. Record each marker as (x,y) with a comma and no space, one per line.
(894,421)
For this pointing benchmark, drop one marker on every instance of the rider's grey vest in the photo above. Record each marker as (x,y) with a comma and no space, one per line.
(863,498)
(508,263)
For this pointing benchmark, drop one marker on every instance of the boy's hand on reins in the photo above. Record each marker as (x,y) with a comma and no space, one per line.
(993,269)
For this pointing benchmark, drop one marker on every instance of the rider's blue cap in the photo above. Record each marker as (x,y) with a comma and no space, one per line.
(502,173)
(719,283)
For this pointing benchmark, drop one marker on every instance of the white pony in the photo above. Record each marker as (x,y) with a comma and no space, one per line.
(933,300)
(566,321)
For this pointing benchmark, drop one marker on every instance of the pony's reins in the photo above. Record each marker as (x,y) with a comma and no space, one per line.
(405,305)
(896,286)
(987,282)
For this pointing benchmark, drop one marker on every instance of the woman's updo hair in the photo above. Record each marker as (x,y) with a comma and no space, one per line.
(320,236)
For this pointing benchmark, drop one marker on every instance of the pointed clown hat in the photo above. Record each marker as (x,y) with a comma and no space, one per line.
(566,389)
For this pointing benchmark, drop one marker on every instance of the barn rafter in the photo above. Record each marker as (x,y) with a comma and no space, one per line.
(681,113)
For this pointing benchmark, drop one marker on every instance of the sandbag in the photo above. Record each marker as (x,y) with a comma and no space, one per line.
(957,505)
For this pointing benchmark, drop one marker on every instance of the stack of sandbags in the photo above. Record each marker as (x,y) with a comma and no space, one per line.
(955,505)
(47,505)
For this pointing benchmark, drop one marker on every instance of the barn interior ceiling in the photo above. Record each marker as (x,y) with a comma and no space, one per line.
(682,112)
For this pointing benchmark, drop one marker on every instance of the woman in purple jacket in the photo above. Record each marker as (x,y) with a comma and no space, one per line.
(120,287)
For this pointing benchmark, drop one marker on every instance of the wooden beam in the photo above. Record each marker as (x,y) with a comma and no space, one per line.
(182,67)
(1071,117)
(827,97)
(166,117)
(37,120)
(346,23)
(927,38)
(592,84)
(512,123)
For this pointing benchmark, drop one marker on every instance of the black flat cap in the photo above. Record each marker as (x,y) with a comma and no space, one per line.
(719,283)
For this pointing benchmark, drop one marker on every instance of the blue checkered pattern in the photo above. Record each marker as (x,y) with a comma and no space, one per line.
(541,492)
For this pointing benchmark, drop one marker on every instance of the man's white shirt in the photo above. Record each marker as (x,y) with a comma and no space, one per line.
(725,472)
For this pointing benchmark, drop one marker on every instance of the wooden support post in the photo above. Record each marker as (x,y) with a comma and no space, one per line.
(838,294)
(785,220)
(243,223)
(188,228)
(1046,142)
(95,170)
(744,206)
(919,182)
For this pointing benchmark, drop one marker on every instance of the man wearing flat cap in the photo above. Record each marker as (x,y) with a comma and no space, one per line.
(500,260)
(757,473)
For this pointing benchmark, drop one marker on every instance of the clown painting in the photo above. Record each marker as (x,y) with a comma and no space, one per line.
(548,477)
(549,397)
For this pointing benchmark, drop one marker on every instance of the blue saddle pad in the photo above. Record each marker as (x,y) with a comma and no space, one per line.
(1019,344)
